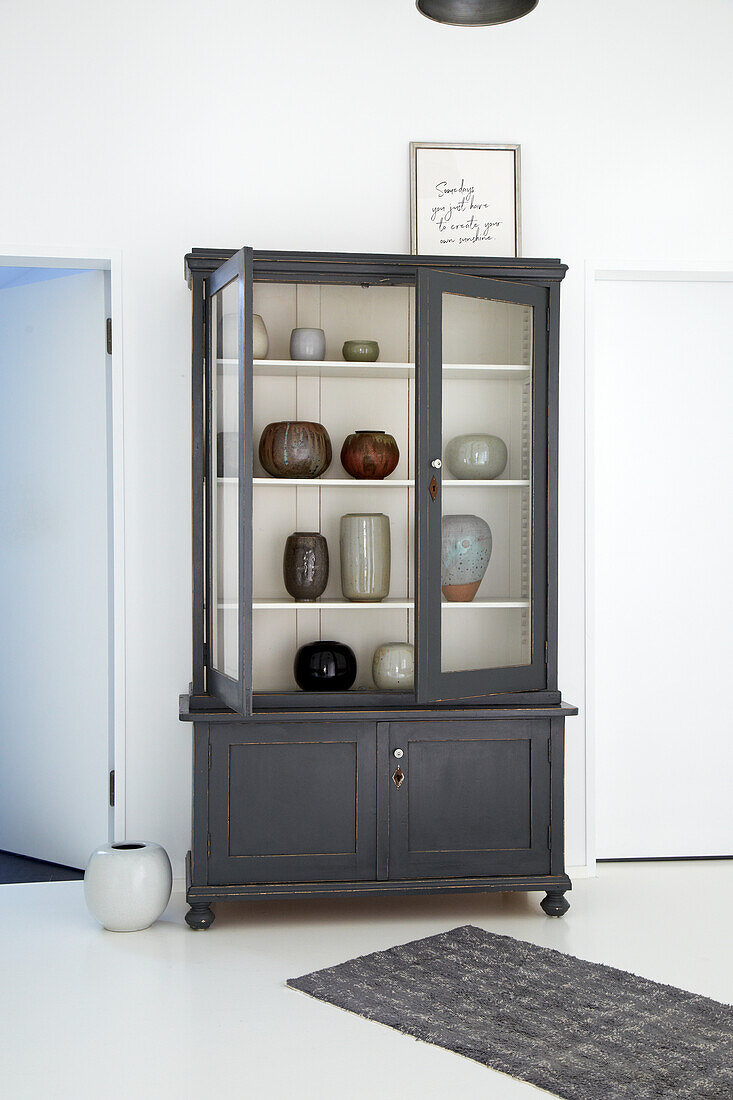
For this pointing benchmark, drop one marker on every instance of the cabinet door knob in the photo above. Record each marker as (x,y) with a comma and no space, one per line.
(398,754)
(436,464)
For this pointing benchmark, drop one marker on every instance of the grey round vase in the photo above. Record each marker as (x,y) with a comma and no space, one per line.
(308,343)
(365,556)
(465,554)
(476,457)
(305,565)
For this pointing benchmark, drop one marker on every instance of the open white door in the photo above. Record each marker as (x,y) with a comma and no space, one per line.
(55,575)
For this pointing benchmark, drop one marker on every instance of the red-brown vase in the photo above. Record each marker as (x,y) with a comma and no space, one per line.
(370,456)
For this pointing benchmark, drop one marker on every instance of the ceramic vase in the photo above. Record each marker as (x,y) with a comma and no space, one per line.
(393,666)
(465,554)
(230,336)
(308,343)
(295,448)
(260,339)
(305,565)
(476,457)
(360,351)
(370,455)
(325,666)
(127,886)
(365,556)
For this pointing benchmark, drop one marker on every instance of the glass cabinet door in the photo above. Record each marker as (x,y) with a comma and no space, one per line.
(228,473)
(482,486)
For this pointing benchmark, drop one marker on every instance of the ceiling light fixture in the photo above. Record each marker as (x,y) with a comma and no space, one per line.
(475,13)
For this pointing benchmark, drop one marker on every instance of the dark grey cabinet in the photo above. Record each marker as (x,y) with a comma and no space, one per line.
(292,802)
(470,799)
(453,781)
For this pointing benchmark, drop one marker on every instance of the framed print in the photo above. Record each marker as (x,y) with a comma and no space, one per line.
(464,200)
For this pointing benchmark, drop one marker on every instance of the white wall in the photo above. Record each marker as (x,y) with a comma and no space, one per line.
(152,127)
(661,595)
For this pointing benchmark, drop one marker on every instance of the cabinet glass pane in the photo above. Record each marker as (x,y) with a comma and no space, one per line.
(345,397)
(225,445)
(486,553)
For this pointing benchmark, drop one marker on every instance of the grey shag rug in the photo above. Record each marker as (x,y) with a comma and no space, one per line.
(577,1029)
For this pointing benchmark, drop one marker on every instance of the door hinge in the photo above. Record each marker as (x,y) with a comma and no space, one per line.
(112,787)
(548,318)
(208,844)
(549,837)
(209,757)
(109,336)
(546,652)
(549,749)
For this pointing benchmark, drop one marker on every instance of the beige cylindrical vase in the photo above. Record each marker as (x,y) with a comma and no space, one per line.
(365,556)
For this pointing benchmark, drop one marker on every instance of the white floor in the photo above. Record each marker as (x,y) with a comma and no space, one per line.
(172,1013)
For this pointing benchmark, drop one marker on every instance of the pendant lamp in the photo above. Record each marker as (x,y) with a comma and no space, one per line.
(475,13)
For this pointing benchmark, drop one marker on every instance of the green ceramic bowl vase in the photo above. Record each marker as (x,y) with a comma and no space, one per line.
(360,351)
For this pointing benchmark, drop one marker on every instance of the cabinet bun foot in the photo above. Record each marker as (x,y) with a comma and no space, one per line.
(555,904)
(199,916)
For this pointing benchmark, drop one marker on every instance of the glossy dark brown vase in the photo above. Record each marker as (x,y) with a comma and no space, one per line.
(305,565)
(325,666)
(295,448)
(370,456)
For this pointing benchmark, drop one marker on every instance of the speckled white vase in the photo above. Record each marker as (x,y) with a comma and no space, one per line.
(127,886)
(393,666)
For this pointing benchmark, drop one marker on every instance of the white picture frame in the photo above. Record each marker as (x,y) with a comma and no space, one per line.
(465,199)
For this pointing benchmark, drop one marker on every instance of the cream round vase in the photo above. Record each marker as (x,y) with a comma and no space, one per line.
(127,886)
(365,556)
(393,666)
(230,336)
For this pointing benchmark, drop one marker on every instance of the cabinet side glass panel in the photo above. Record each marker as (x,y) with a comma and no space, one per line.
(345,397)
(486,483)
(224,444)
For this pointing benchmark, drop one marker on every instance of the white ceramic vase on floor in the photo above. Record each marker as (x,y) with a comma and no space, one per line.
(127,886)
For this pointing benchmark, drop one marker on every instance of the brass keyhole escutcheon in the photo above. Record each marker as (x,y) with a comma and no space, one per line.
(398,777)
(433,487)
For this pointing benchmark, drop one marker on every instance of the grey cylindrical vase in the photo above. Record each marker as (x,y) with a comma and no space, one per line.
(305,565)
(308,343)
(365,556)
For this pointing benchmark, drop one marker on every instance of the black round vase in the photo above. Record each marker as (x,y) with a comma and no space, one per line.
(325,666)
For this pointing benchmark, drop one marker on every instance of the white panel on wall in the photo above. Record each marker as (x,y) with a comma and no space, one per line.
(662,596)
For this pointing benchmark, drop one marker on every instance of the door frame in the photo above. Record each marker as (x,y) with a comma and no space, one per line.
(234,693)
(596,271)
(432,684)
(109,260)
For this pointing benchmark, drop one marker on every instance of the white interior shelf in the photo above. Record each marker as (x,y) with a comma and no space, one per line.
(354,605)
(290,368)
(385,483)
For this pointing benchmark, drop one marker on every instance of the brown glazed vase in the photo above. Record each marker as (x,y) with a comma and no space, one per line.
(305,565)
(370,456)
(295,448)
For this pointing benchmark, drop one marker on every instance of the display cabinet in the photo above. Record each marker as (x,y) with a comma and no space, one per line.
(447,779)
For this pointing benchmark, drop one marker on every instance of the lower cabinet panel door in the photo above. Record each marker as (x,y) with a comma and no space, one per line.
(292,803)
(469,799)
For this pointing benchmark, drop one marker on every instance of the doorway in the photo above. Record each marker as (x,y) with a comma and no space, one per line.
(59,661)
